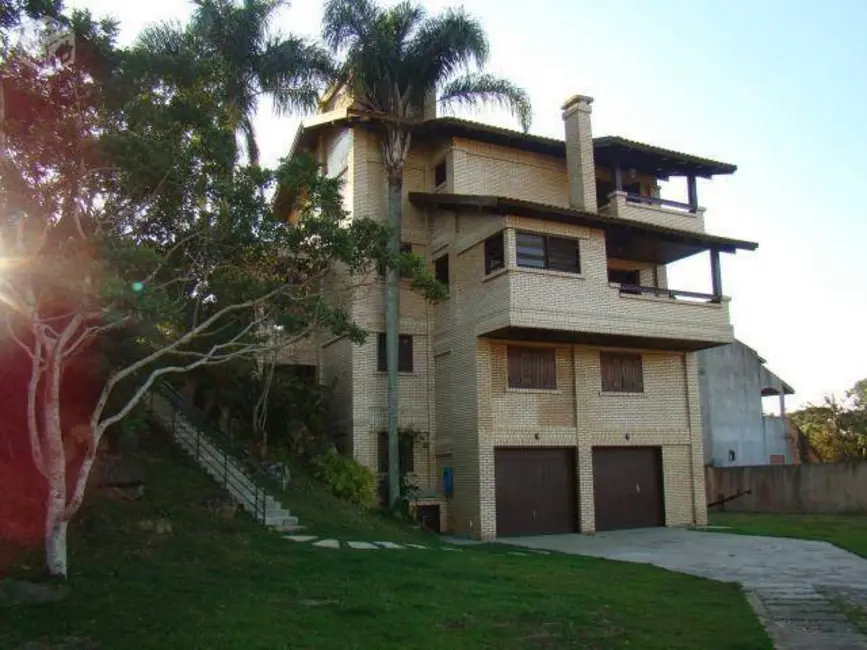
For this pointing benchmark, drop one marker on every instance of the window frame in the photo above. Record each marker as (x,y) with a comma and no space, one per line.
(405,247)
(404,365)
(612,363)
(517,368)
(405,454)
(491,263)
(438,263)
(544,256)
(444,166)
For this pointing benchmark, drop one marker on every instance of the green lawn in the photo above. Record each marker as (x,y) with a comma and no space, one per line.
(846,531)
(218,583)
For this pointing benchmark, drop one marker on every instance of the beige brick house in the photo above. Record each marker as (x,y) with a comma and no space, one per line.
(556,388)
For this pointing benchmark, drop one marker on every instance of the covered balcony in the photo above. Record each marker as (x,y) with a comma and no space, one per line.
(532,286)
(627,182)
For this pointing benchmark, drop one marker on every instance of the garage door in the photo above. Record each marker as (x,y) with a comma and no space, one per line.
(536,491)
(627,487)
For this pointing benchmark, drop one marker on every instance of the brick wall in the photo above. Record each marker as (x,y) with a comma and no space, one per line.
(655,214)
(457,392)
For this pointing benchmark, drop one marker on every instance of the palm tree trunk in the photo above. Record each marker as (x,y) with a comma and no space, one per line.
(395,149)
(392,333)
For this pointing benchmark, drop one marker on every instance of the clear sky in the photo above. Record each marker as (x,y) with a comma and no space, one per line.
(777,87)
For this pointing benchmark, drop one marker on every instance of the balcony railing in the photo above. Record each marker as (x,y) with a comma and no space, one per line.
(666,203)
(672,294)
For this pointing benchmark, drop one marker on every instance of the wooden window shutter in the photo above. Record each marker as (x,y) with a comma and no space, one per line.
(621,372)
(532,367)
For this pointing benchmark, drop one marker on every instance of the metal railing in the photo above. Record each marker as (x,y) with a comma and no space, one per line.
(672,294)
(237,470)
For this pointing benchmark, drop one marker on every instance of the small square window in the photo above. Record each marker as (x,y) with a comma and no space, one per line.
(495,253)
(404,353)
(441,269)
(440,175)
(532,367)
(406,447)
(621,372)
(404,248)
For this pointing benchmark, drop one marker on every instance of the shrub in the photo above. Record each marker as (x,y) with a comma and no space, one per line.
(347,478)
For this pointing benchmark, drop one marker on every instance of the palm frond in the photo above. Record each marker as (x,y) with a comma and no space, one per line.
(292,99)
(292,61)
(347,22)
(444,46)
(249,135)
(473,89)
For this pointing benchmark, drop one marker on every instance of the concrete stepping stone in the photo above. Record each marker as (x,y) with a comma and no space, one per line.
(327,543)
(449,548)
(518,553)
(300,538)
(362,545)
(389,545)
(421,546)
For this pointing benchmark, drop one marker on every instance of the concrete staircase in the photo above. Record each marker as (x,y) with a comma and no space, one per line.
(224,468)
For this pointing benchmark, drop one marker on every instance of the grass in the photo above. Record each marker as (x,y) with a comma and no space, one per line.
(325,515)
(229,584)
(846,531)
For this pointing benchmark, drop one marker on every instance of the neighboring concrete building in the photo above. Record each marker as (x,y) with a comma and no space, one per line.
(557,387)
(733,380)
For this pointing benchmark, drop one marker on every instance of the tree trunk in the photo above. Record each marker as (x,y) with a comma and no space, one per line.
(55,535)
(54,457)
(392,333)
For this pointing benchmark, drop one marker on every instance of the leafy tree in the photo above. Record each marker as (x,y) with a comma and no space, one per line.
(230,49)
(837,429)
(133,248)
(393,60)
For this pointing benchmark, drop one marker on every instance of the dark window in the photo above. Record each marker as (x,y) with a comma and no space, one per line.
(404,353)
(404,248)
(546,252)
(624,276)
(440,174)
(530,250)
(406,461)
(306,374)
(532,367)
(603,190)
(441,269)
(621,372)
(495,253)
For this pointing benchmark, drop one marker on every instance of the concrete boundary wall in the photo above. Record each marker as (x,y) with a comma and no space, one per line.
(829,488)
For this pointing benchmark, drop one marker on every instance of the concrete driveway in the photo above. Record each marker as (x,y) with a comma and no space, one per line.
(793,585)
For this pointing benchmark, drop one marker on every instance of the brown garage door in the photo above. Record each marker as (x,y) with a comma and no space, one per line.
(627,487)
(536,490)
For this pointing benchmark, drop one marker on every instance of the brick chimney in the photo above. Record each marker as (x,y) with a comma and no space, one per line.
(579,153)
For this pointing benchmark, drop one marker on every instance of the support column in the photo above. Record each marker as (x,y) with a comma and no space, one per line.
(692,193)
(618,177)
(715,274)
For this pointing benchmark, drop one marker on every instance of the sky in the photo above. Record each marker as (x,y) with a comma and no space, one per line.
(777,87)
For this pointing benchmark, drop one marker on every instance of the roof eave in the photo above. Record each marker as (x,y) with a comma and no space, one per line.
(505,205)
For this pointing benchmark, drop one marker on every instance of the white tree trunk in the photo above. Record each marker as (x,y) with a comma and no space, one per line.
(54,457)
(55,536)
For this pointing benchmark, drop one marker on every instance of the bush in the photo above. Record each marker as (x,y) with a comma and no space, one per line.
(347,478)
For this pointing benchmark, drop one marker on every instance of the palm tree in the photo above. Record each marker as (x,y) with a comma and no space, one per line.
(232,44)
(392,60)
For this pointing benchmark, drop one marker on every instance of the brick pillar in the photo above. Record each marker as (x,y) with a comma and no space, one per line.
(579,153)
(697,444)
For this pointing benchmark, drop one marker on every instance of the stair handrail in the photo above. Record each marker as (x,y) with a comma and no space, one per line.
(208,431)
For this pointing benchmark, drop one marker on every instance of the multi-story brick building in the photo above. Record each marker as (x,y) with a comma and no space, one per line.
(556,388)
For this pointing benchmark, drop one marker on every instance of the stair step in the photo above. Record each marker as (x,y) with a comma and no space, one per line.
(225,470)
